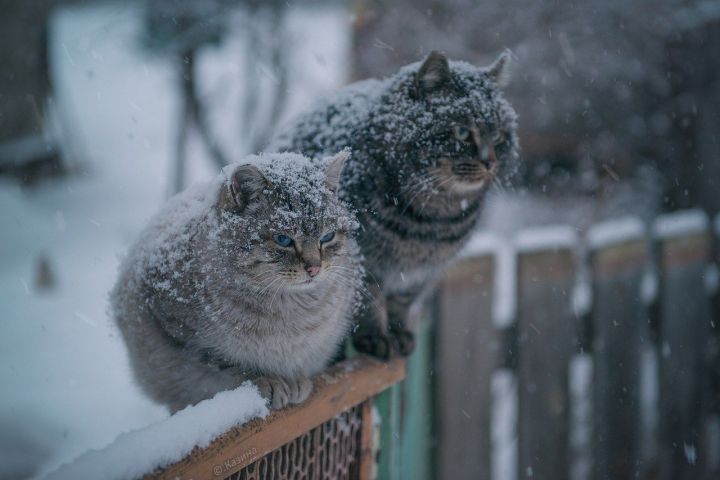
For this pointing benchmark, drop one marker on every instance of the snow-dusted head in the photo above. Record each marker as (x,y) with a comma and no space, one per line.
(456,126)
(281,224)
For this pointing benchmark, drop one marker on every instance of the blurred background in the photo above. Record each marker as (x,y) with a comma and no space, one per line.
(108,107)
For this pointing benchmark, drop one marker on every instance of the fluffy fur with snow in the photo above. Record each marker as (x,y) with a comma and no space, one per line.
(427,143)
(209,298)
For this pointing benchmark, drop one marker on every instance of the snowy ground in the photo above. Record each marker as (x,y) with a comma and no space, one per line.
(66,385)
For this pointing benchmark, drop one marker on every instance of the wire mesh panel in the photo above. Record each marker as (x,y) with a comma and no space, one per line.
(327,437)
(329,451)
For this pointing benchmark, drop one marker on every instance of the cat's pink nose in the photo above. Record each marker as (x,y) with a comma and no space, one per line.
(312,270)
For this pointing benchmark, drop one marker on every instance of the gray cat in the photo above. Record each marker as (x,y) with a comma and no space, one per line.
(250,277)
(427,142)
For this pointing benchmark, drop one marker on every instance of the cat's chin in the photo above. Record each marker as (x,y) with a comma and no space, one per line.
(306,284)
(465,186)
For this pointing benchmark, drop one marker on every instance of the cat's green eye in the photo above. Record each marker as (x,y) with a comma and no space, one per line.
(498,138)
(282,240)
(461,133)
(327,237)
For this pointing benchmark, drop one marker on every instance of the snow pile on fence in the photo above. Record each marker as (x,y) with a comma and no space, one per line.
(680,223)
(551,237)
(142,451)
(613,232)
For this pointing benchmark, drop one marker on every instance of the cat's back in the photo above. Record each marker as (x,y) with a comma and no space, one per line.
(163,246)
(333,123)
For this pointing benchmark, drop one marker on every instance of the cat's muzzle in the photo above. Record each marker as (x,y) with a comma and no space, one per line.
(476,169)
(471,171)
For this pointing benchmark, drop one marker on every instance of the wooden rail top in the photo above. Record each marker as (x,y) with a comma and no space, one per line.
(341,387)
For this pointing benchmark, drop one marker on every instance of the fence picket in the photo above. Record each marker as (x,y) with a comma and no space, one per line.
(713,426)
(620,334)
(467,355)
(684,332)
(547,336)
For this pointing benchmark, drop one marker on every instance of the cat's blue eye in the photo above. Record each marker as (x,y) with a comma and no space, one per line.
(327,237)
(282,240)
(461,133)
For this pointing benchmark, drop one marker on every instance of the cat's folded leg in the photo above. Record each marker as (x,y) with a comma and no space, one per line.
(282,392)
(370,334)
(398,306)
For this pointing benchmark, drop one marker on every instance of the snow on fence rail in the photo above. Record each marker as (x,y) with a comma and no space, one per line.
(232,436)
(646,402)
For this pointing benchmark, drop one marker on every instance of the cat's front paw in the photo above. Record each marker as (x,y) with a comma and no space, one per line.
(282,392)
(300,390)
(375,344)
(403,341)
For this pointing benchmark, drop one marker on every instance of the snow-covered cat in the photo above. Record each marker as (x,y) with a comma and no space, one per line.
(427,143)
(250,277)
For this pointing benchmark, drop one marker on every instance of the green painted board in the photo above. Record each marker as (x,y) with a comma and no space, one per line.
(416,456)
(388,405)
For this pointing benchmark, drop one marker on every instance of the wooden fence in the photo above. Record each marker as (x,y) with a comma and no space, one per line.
(333,435)
(328,437)
(592,356)
(553,355)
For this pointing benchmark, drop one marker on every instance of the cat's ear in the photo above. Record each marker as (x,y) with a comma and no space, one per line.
(499,71)
(433,74)
(245,186)
(334,169)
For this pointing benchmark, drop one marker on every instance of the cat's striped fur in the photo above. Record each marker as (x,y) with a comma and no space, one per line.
(426,144)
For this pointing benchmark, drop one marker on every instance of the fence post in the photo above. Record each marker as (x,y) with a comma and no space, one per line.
(547,338)
(713,280)
(417,405)
(620,333)
(388,405)
(467,353)
(684,332)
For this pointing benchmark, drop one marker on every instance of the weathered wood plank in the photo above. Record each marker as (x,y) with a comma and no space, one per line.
(547,338)
(467,354)
(341,387)
(684,331)
(620,332)
(713,427)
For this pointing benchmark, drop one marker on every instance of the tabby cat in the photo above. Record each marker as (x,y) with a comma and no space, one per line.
(250,277)
(427,143)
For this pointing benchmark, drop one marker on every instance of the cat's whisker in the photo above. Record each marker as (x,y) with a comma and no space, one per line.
(262,290)
(498,184)
(259,277)
(351,282)
(269,286)
(280,286)
(418,183)
(433,191)
(441,184)
(354,270)
(261,281)
(418,180)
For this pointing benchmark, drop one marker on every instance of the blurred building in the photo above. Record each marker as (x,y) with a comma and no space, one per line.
(27,148)
(601,88)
